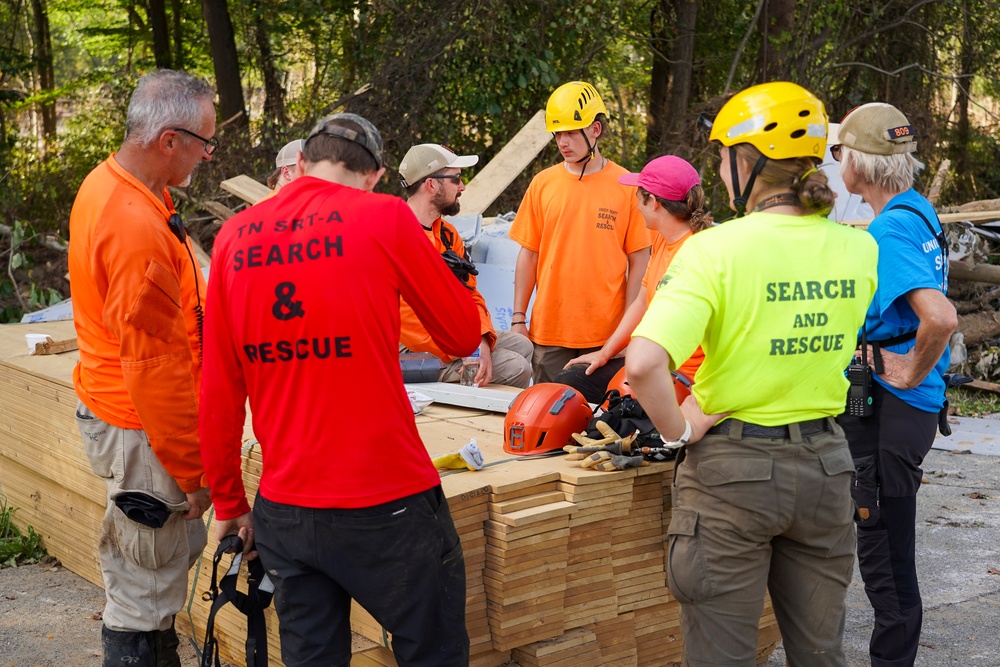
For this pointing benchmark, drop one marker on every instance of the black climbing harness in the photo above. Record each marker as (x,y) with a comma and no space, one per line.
(252,604)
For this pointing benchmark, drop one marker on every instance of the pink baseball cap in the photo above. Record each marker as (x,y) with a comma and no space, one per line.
(667,177)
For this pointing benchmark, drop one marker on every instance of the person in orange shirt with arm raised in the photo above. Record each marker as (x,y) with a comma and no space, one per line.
(672,203)
(137,295)
(430,175)
(584,248)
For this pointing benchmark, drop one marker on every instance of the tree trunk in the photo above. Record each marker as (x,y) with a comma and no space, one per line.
(681,69)
(274,92)
(177,14)
(225,61)
(157,11)
(776,24)
(44,69)
(659,38)
(960,146)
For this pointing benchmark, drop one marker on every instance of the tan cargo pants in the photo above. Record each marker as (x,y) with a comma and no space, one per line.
(511,362)
(145,569)
(753,513)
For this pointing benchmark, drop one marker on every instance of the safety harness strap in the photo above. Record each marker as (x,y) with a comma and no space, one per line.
(252,604)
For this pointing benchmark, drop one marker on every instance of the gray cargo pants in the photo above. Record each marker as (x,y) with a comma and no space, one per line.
(750,513)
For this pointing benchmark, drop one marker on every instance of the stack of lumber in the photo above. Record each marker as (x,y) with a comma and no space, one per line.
(44,472)
(528,546)
(573,648)
(564,565)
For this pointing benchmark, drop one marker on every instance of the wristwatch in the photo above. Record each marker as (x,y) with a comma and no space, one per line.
(679,442)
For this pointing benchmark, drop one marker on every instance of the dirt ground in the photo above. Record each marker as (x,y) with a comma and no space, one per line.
(49,617)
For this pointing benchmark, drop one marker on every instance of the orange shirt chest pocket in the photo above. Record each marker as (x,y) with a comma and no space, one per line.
(157,307)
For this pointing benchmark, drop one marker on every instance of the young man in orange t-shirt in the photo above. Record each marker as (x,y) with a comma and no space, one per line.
(430,175)
(137,295)
(584,247)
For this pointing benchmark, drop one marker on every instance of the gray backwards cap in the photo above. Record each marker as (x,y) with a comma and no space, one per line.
(369,138)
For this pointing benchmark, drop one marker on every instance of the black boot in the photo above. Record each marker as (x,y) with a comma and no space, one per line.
(126,648)
(165,645)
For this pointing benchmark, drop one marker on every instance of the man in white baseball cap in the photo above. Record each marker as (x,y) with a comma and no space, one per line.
(430,174)
(285,167)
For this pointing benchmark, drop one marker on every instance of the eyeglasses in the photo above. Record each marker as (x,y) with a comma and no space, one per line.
(455,178)
(210,144)
(835,152)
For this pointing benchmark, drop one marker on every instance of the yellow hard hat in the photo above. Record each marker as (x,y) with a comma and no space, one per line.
(573,106)
(780,119)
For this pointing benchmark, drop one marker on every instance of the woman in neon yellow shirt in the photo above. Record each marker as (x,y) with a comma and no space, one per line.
(774,298)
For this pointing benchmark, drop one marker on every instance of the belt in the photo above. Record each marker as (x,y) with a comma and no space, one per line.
(810,427)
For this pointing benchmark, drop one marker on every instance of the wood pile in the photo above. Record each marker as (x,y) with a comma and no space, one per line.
(564,565)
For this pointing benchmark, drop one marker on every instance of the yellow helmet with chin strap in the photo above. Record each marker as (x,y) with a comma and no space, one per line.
(780,119)
(573,106)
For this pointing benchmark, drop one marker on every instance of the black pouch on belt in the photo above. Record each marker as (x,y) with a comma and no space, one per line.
(143,508)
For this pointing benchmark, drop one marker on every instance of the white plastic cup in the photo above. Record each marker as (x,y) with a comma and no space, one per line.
(34,339)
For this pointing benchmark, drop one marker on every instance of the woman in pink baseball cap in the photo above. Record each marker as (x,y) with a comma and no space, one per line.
(672,203)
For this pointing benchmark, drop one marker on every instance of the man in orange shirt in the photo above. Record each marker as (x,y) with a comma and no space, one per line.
(430,175)
(137,294)
(584,247)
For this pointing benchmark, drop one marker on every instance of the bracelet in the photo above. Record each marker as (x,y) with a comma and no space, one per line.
(518,312)
(681,441)
(521,322)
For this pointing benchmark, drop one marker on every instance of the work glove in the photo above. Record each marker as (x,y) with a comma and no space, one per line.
(607,462)
(469,457)
(611,442)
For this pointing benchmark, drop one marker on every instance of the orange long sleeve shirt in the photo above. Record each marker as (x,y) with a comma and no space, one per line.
(134,292)
(412,334)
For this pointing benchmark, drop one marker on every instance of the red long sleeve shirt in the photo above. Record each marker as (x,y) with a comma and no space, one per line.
(302,317)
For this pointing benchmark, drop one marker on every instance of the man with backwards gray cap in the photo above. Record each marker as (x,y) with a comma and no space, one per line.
(303,317)
(906,334)
(430,174)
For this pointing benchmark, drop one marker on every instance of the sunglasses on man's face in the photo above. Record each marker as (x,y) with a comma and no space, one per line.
(455,178)
(835,152)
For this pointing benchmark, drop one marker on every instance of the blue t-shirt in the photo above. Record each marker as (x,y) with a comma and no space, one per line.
(909,258)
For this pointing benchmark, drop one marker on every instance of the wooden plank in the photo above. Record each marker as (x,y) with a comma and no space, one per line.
(533,515)
(984,386)
(534,500)
(505,166)
(220,211)
(245,188)
(970,216)
(51,346)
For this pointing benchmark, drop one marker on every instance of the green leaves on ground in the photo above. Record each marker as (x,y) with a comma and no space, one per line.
(17,547)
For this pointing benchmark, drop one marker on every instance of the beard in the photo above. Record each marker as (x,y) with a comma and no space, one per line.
(446,208)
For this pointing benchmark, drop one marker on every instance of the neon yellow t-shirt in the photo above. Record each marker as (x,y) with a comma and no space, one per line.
(775,301)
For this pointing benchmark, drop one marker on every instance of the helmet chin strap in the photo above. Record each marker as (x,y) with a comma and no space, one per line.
(590,154)
(740,200)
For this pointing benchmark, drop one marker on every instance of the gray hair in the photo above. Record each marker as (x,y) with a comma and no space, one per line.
(890,173)
(164,99)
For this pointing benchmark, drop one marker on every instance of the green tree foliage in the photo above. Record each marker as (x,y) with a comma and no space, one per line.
(470,74)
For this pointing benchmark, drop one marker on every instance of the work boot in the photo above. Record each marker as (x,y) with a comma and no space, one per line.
(165,645)
(126,648)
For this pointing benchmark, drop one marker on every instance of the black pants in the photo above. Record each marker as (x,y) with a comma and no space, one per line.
(888,448)
(402,561)
(594,386)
